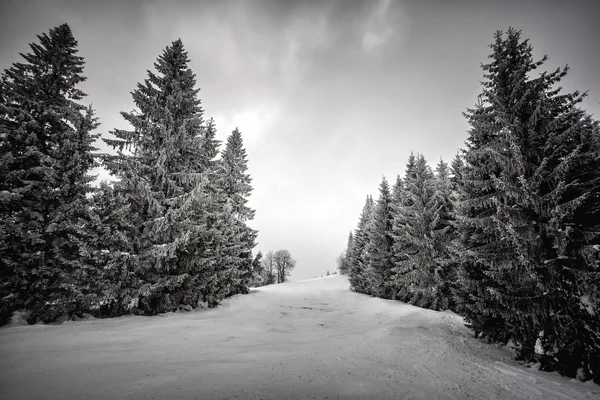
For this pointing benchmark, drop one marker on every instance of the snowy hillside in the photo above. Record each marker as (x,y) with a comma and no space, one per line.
(312,339)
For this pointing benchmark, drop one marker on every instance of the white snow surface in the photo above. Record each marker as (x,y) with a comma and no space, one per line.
(313,339)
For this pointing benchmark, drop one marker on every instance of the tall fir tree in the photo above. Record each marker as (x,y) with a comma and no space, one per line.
(111,221)
(348,255)
(397,193)
(46,149)
(236,184)
(414,242)
(257,270)
(442,226)
(528,214)
(456,167)
(358,263)
(379,247)
(162,171)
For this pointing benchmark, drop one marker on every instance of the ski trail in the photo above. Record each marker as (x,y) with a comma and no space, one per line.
(304,340)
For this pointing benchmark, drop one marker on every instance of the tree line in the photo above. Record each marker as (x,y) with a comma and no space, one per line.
(274,268)
(171,230)
(508,235)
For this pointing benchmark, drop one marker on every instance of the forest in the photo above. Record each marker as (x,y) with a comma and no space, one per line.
(170,231)
(508,234)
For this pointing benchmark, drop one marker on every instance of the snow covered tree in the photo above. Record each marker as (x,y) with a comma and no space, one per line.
(284,264)
(456,171)
(379,247)
(257,271)
(236,185)
(413,226)
(46,149)
(397,194)
(528,214)
(110,220)
(161,165)
(343,260)
(357,261)
(443,235)
(401,201)
(269,269)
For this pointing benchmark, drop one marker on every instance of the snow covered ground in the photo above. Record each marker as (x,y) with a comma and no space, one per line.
(304,340)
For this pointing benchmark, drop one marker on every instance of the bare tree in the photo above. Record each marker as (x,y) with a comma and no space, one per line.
(268,269)
(342,263)
(284,264)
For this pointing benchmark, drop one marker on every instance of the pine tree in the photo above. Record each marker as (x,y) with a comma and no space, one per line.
(456,171)
(45,155)
(357,263)
(379,247)
(257,271)
(236,184)
(161,167)
(113,227)
(347,256)
(414,242)
(528,214)
(443,235)
(397,193)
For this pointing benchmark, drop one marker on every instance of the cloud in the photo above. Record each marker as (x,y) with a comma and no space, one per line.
(253,122)
(384,23)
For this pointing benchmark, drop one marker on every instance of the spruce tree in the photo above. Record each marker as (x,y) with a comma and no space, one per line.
(357,264)
(46,149)
(528,214)
(162,171)
(400,247)
(397,193)
(414,244)
(236,185)
(456,171)
(257,270)
(443,235)
(379,247)
(110,214)
(348,255)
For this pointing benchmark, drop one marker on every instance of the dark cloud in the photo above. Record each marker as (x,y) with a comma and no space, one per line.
(329,95)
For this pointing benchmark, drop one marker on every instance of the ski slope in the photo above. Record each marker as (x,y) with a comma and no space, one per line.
(313,339)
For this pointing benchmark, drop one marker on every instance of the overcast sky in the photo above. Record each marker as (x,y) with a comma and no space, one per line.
(329,95)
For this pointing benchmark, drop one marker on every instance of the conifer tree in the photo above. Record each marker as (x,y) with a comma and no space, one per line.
(456,171)
(161,168)
(257,270)
(415,259)
(442,235)
(397,193)
(528,214)
(357,264)
(46,149)
(379,247)
(110,215)
(236,184)
(347,256)
(400,247)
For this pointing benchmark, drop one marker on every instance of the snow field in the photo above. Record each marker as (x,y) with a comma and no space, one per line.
(312,339)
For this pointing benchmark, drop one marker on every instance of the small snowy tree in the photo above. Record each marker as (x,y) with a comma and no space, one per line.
(269,269)
(357,261)
(379,247)
(284,264)
(235,182)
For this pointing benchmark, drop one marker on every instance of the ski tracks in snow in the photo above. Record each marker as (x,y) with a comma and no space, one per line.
(304,340)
